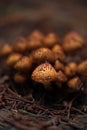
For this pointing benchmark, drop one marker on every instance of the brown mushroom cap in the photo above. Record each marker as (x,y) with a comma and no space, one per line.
(36,35)
(24,64)
(71,46)
(61,77)
(58,53)
(19,78)
(70,69)
(57,47)
(58,65)
(50,40)
(5,50)
(82,68)
(74,36)
(33,44)
(42,55)
(44,73)
(13,58)
(73,41)
(20,45)
(74,83)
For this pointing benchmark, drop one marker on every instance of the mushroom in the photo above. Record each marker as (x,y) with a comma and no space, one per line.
(58,65)
(33,44)
(82,68)
(42,55)
(36,35)
(70,69)
(20,45)
(61,77)
(74,36)
(75,84)
(19,78)
(44,73)
(50,40)
(56,48)
(13,58)
(72,41)
(24,64)
(5,50)
(58,53)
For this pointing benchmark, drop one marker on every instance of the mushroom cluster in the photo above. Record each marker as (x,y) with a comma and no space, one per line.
(43,59)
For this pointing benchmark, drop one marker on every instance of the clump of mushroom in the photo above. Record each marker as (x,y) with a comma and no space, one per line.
(43,59)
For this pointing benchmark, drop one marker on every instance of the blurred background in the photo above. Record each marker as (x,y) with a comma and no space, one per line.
(20,17)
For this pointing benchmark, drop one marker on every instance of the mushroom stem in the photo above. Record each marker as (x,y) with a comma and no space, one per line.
(47,86)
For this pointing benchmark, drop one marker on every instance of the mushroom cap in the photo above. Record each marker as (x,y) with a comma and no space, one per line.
(42,55)
(58,65)
(20,45)
(44,73)
(73,41)
(5,50)
(58,53)
(61,77)
(73,66)
(57,47)
(24,64)
(19,78)
(33,44)
(71,45)
(74,36)
(74,83)
(82,68)
(36,35)
(70,69)
(50,40)
(13,58)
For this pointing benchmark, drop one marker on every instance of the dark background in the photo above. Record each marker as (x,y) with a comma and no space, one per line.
(19,17)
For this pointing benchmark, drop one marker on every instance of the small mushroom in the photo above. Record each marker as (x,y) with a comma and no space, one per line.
(36,35)
(74,36)
(82,68)
(50,40)
(58,65)
(57,47)
(33,44)
(42,55)
(24,64)
(5,50)
(58,53)
(19,78)
(13,58)
(71,46)
(20,45)
(75,84)
(61,77)
(44,73)
(72,41)
(70,69)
